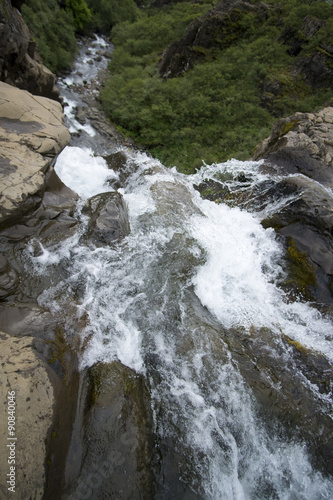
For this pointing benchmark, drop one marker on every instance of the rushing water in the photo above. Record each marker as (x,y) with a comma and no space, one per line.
(162,301)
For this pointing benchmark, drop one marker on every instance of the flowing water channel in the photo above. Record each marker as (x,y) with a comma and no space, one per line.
(180,300)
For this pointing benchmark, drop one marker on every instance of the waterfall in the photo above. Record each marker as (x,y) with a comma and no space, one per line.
(177,300)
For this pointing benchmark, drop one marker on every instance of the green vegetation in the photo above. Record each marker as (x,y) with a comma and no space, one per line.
(107,13)
(215,110)
(80,11)
(54,24)
(54,32)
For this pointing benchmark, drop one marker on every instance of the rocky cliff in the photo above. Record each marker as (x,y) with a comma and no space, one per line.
(20,65)
(31,134)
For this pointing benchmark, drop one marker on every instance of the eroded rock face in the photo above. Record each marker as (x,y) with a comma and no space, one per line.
(108,218)
(31,135)
(115,460)
(19,64)
(303,144)
(25,374)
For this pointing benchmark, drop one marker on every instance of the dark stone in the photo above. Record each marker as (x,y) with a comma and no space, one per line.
(108,219)
(112,453)
(212,190)
(275,370)
(119,162)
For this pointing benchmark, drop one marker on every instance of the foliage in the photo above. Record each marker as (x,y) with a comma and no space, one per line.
(214,111)
(107,13)
(80,11)
(54,32)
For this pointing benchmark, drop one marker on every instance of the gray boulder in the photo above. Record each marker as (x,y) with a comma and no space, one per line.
(108,219)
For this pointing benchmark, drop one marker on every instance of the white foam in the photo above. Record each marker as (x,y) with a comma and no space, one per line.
(83,172)
(236,282)
(232,283)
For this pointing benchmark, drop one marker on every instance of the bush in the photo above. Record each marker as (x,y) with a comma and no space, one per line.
(107,13)
(80,11)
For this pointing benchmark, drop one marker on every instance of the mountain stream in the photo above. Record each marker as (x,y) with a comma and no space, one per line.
(189,300)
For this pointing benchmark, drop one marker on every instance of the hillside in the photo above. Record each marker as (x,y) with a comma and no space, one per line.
(193,83)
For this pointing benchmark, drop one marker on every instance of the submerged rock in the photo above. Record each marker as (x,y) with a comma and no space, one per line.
(108,218)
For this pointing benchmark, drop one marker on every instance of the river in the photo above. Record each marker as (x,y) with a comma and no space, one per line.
(190,301)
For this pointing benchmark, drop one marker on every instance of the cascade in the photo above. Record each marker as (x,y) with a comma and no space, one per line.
(189,300)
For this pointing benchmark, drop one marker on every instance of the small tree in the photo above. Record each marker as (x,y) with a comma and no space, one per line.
(80,11)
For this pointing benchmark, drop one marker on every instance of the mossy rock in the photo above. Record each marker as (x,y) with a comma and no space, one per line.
(301,273)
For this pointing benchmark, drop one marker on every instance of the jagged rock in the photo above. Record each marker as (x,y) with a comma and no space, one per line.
(212,190)
(108,218)
(32,134)
(20,65)
(25,374)
(302,143)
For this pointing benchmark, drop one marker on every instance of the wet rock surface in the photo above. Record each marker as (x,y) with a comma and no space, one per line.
(108,219)
(111,454)
(302,143)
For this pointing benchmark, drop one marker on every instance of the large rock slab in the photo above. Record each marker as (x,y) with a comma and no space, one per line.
(31,135)
(27,398)
(303,144)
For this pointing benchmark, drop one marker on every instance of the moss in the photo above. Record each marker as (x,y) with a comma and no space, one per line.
(95,383)
(287,127)
(296,345)
(273,222)
(325,52)
(301,273)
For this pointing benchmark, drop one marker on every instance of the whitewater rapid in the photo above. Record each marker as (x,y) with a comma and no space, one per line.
(161,300)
